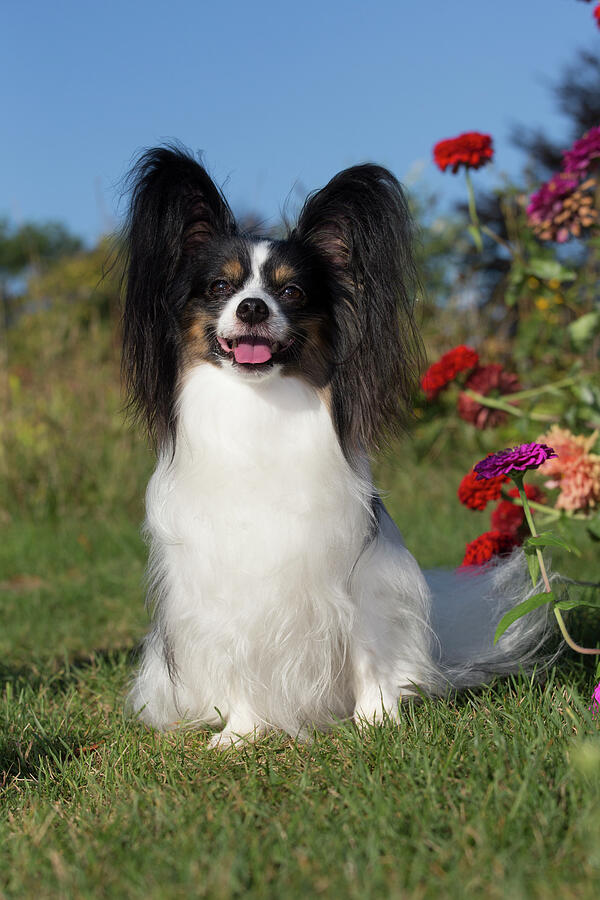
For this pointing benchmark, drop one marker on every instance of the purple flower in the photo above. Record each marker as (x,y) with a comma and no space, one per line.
(595,707)
(547,211)
(583,151)
(514,459)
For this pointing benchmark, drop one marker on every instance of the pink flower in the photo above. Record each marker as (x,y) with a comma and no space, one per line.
(595,707)
(574,470)
(581,155)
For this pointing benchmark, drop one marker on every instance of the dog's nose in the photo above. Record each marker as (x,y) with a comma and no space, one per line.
(252,310)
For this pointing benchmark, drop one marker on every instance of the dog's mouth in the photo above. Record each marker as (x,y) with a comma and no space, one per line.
(250,350)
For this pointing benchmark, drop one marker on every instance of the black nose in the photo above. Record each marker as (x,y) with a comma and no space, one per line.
(252,311)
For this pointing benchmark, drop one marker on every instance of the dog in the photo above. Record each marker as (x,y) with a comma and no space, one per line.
(267,373)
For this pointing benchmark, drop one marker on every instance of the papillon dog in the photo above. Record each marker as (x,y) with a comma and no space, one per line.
(268,371)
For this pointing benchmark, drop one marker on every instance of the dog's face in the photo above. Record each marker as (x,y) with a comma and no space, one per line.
(322,305)
(255,306)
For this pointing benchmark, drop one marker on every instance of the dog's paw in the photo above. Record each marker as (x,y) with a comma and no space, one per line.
(232,737)
(375,710)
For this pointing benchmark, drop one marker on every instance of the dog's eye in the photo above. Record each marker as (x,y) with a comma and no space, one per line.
(220,287)
(292,292)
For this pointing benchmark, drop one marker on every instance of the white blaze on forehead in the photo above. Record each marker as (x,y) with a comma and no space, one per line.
(258,258)
(277,324)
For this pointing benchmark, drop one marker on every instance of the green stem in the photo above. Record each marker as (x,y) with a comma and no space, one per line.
(496,237)
(544,389)
(518,480)
(472,205)
(548,511)
(569,640)
(493,403)
(475,229)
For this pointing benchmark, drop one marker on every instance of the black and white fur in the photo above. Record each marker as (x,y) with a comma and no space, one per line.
(267,371)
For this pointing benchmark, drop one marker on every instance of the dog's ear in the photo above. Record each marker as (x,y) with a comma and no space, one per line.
(175,210)
(361,227)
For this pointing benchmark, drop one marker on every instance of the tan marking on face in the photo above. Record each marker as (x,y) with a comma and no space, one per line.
(313,364)
(283,274)
(197,346)
(233,270)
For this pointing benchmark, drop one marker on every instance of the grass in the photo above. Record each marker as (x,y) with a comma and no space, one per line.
(494,794)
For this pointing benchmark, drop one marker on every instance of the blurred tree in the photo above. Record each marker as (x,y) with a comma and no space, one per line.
(31,246)
(577,97)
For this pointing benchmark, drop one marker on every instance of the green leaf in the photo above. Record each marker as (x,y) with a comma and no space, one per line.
(547,539)
(533,564)
(547,269)
(583,329)
(521,610)
(476,235)
(591,601)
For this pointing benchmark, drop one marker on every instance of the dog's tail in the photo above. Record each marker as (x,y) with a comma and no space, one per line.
(467,606)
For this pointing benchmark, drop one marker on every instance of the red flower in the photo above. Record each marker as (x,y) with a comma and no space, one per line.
(447,368)
(508,517)
(476,492)
(485,380)
(471,150)
(486,546)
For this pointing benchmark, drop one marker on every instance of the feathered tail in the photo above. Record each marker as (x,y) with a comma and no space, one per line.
(467,606)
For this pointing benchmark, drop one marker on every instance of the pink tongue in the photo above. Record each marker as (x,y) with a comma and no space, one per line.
(252,350)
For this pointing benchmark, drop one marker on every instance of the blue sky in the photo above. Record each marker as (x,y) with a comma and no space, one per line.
(278,96)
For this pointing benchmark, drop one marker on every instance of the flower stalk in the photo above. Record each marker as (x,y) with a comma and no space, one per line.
(590,651)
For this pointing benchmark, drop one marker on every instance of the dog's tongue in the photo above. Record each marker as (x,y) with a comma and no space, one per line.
(252,350)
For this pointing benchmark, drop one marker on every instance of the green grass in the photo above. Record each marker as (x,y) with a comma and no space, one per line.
(493,794)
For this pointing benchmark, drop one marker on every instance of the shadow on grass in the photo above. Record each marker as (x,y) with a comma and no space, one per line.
(36,740)
(57,675)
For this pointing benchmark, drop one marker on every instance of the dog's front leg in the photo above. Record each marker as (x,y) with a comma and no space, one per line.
(241,727)
(376,699)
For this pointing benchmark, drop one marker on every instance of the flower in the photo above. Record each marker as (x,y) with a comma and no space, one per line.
(579,158)
(514,459)
(508,517)
(597,15)
(568,447)
(476,493)
(562,207)
(486,546)
(580,484)
(484,380)
(595,707)
(471,150)
(575,469)
(447,368)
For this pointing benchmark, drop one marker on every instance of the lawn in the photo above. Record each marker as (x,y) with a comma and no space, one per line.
(492,794)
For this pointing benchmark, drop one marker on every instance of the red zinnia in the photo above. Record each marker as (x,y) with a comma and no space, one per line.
(476,492)
(486,380)
(597,15)
(486,546)
(447,368)
(509,517)
(471,150)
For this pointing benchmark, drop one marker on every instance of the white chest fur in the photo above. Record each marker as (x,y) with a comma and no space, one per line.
(255,526)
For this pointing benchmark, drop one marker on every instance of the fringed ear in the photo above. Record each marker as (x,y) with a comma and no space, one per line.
(361,226)
(175,209)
